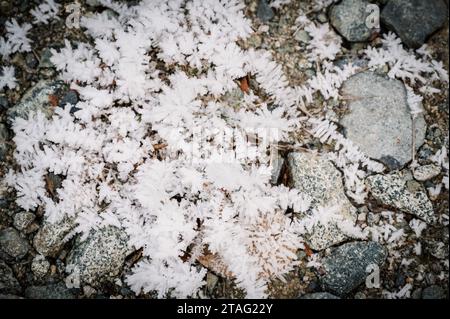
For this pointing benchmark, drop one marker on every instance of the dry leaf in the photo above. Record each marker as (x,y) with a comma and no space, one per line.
(244,84)
(50,186)
(159,146)
(308,250)
(53,99)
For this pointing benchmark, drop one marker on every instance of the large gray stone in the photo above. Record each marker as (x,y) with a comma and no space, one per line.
(99,258)
(317,177)
(349,19)
(36,99)
(12,244)
(8,283)
(401,191)
(379,119)
(50,238)
(347,266)
(414,20)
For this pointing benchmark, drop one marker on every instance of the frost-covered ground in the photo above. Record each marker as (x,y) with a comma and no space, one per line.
(215,149)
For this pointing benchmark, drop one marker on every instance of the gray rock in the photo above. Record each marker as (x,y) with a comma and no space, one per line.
(434,292)
(317,177)
(400,279)
(425,153)
(302,36)
(70,97)
(93,3)
(255,40)
(50,238)
(435,135)
(40,266)
(345,267)
(35,99)
(430,278)
(379,121)
(349,19)
(426,172)
(343,61)
(4,138)
(8,282)
(360,295)
(373,218)
(4,104)
(400,191)
(22,220)
(12,244)
(31,60)
(322,18)
(45,62)
(439,250)
(391,163)
(416,294)
(211,281)
(100,257)
(319,295)
(414,20)
(264,12)
(53,291)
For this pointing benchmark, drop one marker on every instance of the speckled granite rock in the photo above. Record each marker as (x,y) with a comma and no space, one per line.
(401,191)
(426,172)
(50,238)
(98,258)
(317,177)
(40,266)
(23,219)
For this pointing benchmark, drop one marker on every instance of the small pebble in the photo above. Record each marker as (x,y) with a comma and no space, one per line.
(22,220)
(4,104)
(40,266)
(264,12)
(322,18)
(31,60)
